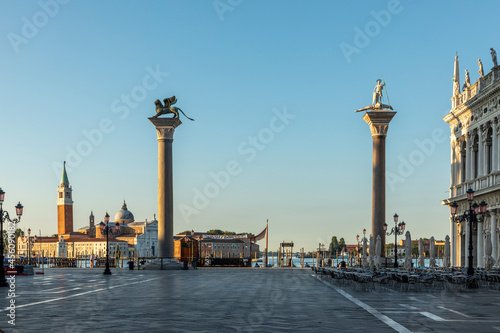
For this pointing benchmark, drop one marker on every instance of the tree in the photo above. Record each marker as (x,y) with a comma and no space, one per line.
(17,233)
(215,231)
(342,245)
(334,245)
(414,249)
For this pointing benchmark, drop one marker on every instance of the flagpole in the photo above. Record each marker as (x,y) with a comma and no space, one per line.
(267,231)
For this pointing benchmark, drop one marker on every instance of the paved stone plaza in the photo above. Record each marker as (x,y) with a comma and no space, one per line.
(233,300)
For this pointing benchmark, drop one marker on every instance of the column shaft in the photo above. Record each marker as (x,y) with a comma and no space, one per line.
(481,158)
(453,166)
(165,199)
(494,236)
(165,128)
(494,147)
(378,189)
(453,242)
(465,262)
(479,242)
(468,158)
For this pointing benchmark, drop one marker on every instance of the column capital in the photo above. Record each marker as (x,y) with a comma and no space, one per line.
(379,121)
(165,127)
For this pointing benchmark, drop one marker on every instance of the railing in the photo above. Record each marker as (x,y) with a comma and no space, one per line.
(476,184)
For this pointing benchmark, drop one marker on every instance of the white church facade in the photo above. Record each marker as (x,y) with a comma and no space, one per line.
(475,159)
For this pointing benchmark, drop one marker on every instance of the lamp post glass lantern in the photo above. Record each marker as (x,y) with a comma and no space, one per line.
(4,217)
(471,216)
(398,229)
(107,230)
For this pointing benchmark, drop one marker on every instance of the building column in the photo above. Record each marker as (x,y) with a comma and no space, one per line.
(468,158)
(165,128)
(479,242)
(494,146)
(379,125)
(494,236)
(453,166)
(482,156)
(466,245)
(453,242)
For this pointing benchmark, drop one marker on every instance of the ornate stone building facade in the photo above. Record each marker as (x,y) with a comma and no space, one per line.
(475,129)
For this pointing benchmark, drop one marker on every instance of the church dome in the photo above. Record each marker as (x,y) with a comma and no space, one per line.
(124,216)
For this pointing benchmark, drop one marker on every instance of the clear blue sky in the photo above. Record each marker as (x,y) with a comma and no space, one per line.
(84,66)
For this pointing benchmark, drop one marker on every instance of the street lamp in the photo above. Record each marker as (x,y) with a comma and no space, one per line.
(4,216)
(398,229)
(470,216)
(106,229)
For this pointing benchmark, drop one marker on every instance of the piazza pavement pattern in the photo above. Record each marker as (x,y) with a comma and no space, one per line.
(233,300)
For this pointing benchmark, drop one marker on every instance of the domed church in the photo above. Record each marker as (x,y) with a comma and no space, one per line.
(124,216)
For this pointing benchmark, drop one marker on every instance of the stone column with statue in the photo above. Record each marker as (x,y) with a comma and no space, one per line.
(165,128)
(378,117)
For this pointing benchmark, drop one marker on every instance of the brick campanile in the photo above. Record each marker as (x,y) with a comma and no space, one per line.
(64,205)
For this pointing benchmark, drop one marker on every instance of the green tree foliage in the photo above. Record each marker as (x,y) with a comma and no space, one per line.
(334,245)
(342,245)
(414,249)
(220,232)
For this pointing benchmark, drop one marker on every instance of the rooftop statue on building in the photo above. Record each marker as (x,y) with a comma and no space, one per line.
(377,99)
(168,108)
(467,80)
(481,71)
(494,57)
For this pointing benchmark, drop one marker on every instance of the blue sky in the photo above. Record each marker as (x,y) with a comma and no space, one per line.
(78,80)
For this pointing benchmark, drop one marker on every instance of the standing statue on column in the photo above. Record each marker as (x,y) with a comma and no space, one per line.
(481,71)
(377,92)
(377,99)
(494,57)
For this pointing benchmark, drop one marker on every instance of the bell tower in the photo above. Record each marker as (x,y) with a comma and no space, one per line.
(64,205)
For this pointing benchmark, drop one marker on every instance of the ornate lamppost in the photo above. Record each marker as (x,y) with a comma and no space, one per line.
(106,229)
(471,216)
(4,216)
(398,229)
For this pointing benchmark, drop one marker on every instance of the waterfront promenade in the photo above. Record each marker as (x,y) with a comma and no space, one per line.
(233,300)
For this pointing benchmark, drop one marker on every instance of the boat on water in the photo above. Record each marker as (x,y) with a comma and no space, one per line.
(257,260)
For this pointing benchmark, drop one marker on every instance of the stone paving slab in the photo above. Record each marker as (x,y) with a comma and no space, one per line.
(232,300)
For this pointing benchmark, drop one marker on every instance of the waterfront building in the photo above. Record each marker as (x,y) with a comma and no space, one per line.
(133,238)
(474,124)
(223,246)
